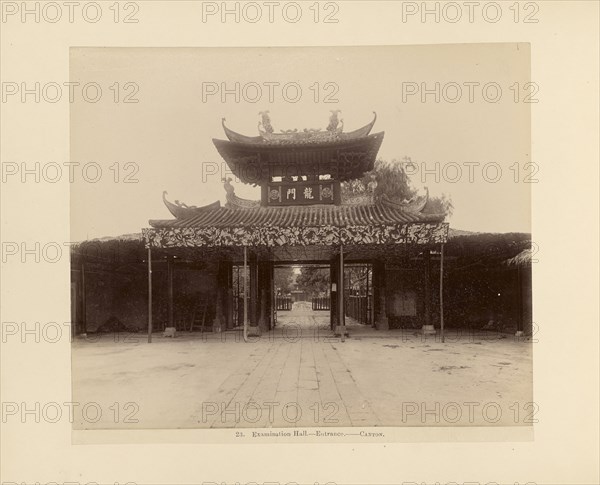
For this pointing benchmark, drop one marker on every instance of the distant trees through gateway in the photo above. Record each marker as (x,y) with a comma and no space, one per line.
(314,280)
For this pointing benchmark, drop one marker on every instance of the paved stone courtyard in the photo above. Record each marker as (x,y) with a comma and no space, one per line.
(301,376)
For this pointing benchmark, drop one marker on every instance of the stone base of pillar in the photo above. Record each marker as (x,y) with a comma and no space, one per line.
(339,330)
(428,330)
(253,331)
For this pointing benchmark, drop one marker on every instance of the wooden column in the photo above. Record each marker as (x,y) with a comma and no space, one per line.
(272,296)
(170,306)
(254,293)
(264,285)
(334,280)
(341,328)
(428,328)
(379,296)
(220,314)
(229,306)
(337,192)
(245,294)
(149,295)
(442,292)
(368,320)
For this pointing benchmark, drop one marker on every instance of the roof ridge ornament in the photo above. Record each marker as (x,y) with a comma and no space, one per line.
(267,135)
(230,189)
(265,122)
(334,122)
(233,201)
(183,211)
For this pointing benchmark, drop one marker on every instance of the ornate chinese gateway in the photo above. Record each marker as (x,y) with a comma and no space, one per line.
(302,202)
(313,208)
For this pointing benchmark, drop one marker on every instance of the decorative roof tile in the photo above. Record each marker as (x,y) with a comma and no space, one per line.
(299,216)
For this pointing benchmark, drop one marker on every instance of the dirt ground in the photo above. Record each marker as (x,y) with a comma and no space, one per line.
(300,376)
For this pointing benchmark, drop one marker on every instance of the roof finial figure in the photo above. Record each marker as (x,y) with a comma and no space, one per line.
(334,121)
(228,187)
(372,185)
(265,122)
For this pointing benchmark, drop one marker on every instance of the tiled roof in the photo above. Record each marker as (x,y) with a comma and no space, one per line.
(299,216)
(344,160)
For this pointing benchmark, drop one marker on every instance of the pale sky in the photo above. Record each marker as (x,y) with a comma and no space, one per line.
(168,133)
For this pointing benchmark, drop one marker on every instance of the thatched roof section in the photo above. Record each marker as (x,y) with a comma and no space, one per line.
(128,248)
(523,259)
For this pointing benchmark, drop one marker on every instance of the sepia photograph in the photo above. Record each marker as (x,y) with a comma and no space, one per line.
(302,237)
(299,243)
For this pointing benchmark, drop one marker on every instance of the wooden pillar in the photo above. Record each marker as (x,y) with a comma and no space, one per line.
(254,293)
(239,317)
(262,318)
(428,328)
(272,296)
(170,305)
(341,328)
(442,292)
(379,296)
(149,295)
(264,194)
(219,321)
(229,306)
(264,285)
(367,306)
(245,294)
(337,192)
(334,280)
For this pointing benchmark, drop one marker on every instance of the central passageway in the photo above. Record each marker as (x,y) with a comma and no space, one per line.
(300,373)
